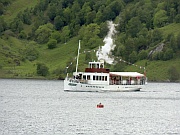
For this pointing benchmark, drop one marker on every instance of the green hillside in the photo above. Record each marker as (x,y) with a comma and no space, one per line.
(39,39)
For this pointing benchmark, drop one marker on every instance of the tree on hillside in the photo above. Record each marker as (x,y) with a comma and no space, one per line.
(3,25)
(52,11)
(173,43)
(99,17)
(25,16)
(156,37)
(173,74)
(31,53)
(129,47)
(160,18)
(89,35)
(178,41)
(56,35)
(133,57)
(16,25)
(84,11)
(41,6)
(142,55)
(42,69)
(67,15)
(168,54)
(1,8)
(90,17)
(88,57)
(134,26)
(145,14)
(65,34)
(177,18)
(52,43)
(43,33)
(58,22)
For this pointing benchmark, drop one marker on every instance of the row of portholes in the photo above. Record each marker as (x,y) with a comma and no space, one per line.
(94,86)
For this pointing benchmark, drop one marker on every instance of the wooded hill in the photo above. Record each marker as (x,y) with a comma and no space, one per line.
(39,39)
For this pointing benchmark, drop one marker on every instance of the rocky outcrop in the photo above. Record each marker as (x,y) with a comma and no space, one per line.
(159,48)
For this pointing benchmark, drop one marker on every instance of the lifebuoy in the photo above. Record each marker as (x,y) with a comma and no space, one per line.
(100,105)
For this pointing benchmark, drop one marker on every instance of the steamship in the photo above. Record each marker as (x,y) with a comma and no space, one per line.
(97,78)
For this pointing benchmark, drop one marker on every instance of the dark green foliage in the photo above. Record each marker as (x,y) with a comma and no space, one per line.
(60,73)
(178,41)
(139,22)
(160,18)
(3,25)
(41,6)
(173,74)
(58,22)
(31,53)
(22,35)
(56,35)
(156,37)
(65,34)
(177,18)
(43,33)
(42,69)
(1,8)
(51,12)
(119,66)
(168,54)
(133,57)
(88,57)
(89,35)
(52,44)
(16,25)
(142,55)
(134,26)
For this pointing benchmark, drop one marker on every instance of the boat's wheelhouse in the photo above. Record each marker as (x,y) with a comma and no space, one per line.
(97,67)
(94,74)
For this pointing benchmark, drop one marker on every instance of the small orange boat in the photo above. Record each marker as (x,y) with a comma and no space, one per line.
(100,105)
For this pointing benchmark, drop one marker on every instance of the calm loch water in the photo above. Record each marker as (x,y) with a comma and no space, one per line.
(29,107)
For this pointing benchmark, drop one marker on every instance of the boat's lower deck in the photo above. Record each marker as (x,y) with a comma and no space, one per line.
(83,87)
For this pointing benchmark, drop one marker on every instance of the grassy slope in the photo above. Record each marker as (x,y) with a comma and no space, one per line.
(156,70)
(171,28)
(57,58)
(16,7)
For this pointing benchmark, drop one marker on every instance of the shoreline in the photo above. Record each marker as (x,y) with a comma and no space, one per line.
(43,78)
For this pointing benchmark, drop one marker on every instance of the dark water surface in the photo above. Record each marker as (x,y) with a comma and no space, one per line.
(30,107)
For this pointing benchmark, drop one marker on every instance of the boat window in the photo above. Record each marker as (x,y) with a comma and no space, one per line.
(88,77)
(101,66)
(97,65)
(93,77)
(80,76)
(99,77)
(96,77)
(105,78)
(84,77)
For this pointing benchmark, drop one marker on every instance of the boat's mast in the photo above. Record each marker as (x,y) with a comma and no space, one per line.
(77,57)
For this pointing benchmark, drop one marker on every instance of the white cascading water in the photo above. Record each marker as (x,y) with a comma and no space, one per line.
(105,51)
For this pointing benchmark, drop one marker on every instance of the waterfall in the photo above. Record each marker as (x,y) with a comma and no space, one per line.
(104,52)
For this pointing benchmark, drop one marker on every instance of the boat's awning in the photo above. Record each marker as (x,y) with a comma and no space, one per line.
(128,74)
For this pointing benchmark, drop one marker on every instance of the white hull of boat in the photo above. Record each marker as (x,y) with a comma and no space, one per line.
(81,87)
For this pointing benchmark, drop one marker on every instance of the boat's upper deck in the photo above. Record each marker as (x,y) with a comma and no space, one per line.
(97,67)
